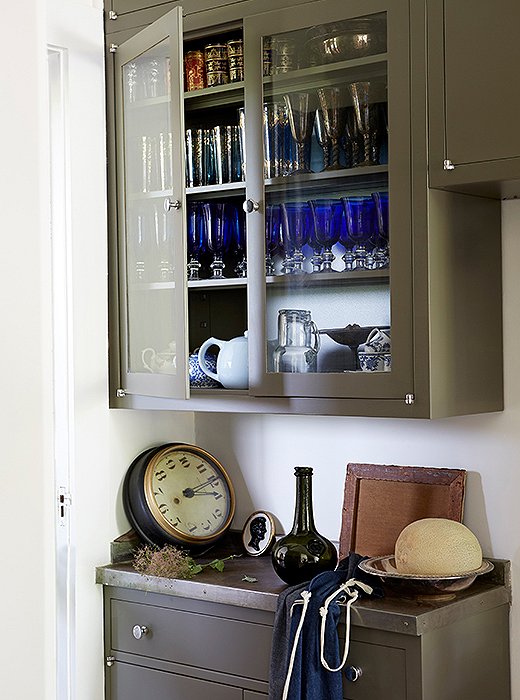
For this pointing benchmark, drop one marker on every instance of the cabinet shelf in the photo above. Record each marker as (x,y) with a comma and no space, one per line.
(329,74)
(331,180)
(307,279)
(220,95)
(225,283)
(216,190)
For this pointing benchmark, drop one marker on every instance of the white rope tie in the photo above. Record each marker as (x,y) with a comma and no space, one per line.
(353,594)
(306,595)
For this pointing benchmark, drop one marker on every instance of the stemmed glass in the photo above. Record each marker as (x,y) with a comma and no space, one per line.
(196,239)
(218,236)
(140,244)
(333,105)
(351,138)
(381,255)
(326,217)
(234,217)
(322,137)
(272,236)
(296,223)
(163,243)
(366,117)
(360,219)
(301,107)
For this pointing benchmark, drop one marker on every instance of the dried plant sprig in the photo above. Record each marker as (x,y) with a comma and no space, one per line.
(171,562)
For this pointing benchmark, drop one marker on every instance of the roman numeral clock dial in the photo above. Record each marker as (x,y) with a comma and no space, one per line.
(178,494)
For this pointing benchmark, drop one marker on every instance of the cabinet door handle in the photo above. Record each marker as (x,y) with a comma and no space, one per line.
(140,631)
(171,204)
(353,673)
(250,206)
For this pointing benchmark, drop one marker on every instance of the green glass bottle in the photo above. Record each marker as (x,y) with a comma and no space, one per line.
(303,553)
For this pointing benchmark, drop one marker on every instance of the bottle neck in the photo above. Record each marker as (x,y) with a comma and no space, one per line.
(303,515)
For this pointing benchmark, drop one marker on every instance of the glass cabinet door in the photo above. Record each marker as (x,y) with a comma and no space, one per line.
(328,188)
(151,212)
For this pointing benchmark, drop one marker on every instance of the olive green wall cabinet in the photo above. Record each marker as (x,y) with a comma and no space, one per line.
(163,646)
(288,197)
(474,107)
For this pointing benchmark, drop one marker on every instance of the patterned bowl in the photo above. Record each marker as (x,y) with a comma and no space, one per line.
(375,361)
(198,378)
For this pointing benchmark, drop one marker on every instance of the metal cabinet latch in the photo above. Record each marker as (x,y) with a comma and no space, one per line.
(409,399)
(110,660)
(113,48)
(448,165)
(249,206)
(112,14)
(353,673)
(139,631)
(120,393)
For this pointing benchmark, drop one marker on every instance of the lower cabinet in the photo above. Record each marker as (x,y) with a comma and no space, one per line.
(169,648)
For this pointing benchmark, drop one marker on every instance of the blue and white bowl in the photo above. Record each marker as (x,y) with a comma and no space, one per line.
(198,378)
(375,361)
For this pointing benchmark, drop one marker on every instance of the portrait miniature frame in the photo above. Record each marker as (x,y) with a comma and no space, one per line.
(259,533)
(380,500)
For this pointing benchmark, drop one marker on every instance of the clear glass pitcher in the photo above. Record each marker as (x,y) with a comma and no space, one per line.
(298,342)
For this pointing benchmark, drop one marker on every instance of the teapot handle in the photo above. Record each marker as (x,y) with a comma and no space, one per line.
(152,358)
(202,356)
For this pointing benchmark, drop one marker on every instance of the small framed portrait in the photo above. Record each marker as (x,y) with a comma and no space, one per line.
(259,533)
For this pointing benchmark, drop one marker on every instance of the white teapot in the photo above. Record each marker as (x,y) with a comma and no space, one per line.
(232,362)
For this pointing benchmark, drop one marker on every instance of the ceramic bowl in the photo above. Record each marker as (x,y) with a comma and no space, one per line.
(375,361)
(198,378)
(421,587)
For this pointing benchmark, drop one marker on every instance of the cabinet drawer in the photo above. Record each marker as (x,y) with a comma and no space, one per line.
(383,673)
(216,643)
(128,682)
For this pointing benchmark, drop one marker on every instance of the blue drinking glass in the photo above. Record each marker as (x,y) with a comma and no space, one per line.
(296,228)
(218,235)
(326,219)
(381,251)
(196,234)
(234,218)
(273,240)
(361,226)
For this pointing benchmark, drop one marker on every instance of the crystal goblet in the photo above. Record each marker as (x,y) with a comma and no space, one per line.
(326,219)
(366,117)
(360,229)
(333,106)
(301,107)
(322,137)
(381,253)
(196,239)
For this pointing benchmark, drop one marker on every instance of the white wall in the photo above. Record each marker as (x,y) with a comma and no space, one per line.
(261,451)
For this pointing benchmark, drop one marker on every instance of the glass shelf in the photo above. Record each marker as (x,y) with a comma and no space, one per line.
(216,190)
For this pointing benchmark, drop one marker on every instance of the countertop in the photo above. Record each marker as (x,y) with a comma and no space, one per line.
(389,613)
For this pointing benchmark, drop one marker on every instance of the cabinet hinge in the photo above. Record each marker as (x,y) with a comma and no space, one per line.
(113,48)
(112,14)
(110,660)
(409,399)
(120,393)
(448,165)
(64,503)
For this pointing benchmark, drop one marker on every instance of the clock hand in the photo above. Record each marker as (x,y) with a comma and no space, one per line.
(204,493)
(190,492)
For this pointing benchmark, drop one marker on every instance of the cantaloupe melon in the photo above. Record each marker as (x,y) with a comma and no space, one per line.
(437,547)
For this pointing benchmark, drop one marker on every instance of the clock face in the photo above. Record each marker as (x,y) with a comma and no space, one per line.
(188,493)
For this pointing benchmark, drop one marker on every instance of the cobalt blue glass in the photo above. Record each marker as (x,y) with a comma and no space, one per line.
(361,226)
(326,219)
(196,236)
(218,235)
(235,219)
(296,227)
(381,253)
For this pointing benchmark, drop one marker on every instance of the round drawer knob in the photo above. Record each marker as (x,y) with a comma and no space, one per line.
(353,673)
(250,206)
(139,631)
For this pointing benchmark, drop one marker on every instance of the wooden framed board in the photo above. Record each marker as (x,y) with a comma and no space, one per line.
(380,500)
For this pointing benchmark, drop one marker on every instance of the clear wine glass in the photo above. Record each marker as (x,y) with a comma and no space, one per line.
(301,108)
(218,236)
(351,138)
(366,116)
(322,137)
(296,227)
(326,228)
(273,239)
(333,106)
(196,239)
